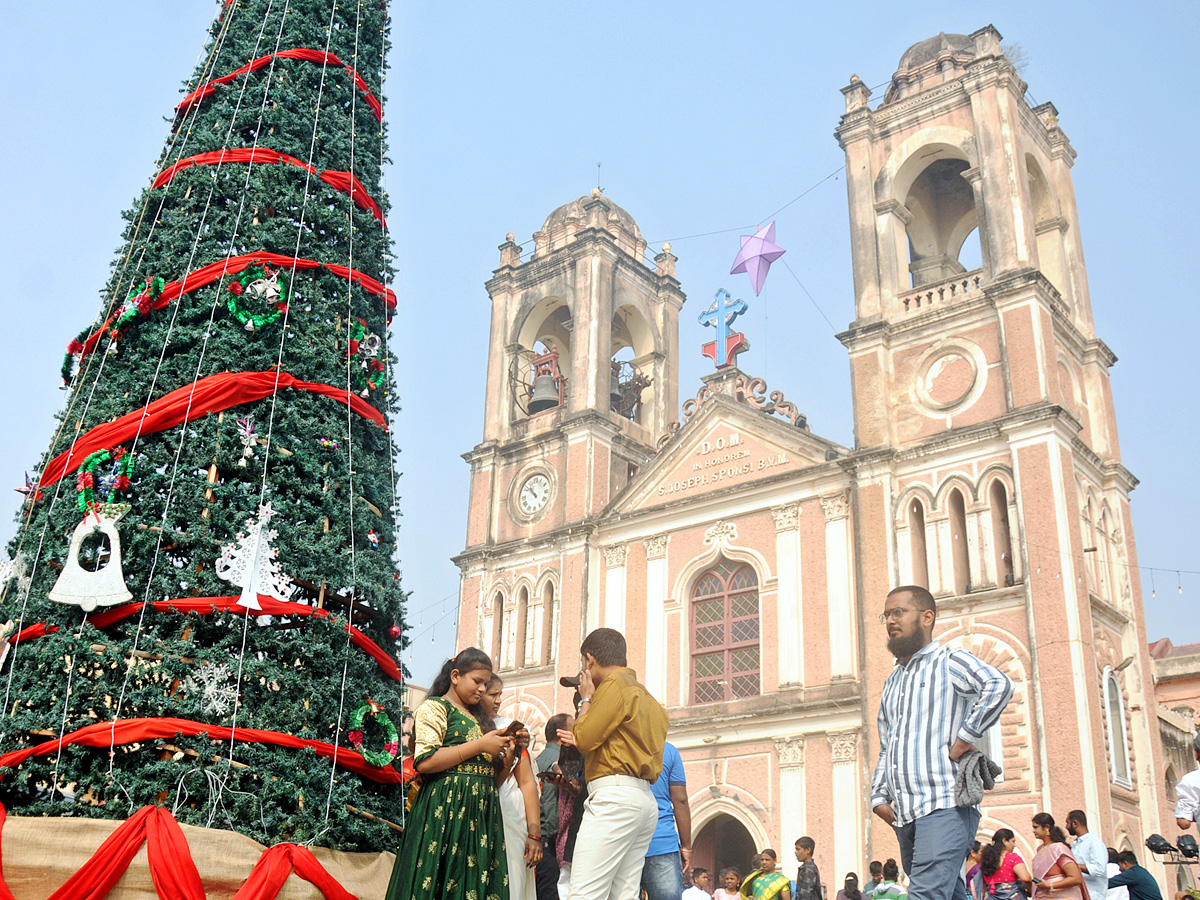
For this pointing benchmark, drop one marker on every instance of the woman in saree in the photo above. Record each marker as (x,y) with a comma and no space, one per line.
(1056,874)
(766,882)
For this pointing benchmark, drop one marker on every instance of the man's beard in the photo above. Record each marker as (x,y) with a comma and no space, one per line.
(902,646)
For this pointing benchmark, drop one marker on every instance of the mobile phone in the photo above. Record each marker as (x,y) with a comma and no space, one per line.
(513,727)
(1036,880)
(547,775)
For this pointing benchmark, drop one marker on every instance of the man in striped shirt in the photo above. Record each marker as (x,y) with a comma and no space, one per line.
(936,706)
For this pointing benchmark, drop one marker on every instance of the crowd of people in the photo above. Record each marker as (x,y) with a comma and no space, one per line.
(610,819)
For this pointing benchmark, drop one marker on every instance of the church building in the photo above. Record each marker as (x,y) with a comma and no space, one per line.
(746,559)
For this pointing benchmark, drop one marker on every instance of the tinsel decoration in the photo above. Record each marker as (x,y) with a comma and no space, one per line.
(261,284)
(364,348)
(102,492)
(391,738)
(138,305)
(141,301)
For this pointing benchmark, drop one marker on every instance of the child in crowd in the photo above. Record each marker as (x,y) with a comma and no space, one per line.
(889,888)
(453,844)
(731,879)
(700,885)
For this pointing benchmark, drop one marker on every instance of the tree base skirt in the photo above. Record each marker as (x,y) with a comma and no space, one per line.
(40,854)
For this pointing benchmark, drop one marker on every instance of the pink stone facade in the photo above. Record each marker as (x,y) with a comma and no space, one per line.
(746,559)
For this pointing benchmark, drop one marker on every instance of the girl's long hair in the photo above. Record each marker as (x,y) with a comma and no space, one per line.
(850,886)
(993,854)
(467,661)
(1056,833)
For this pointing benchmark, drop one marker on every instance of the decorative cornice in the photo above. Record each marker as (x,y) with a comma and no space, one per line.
(787,517)
(836,506)
(844,746)
(656,547)
(722,532)
(791,752)
(615,554)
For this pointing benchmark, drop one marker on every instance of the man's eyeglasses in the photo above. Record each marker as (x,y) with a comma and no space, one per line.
(893,614)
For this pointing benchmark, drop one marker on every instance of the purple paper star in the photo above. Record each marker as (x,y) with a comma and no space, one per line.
(758,251)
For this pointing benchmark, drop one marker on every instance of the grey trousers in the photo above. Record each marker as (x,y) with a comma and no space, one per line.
(933,849)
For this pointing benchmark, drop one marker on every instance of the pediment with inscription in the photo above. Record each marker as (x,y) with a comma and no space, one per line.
(726,445)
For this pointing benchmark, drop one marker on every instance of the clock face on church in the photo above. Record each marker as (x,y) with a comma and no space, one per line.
(534,494)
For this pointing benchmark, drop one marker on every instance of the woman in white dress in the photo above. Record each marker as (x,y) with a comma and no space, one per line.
(518,804)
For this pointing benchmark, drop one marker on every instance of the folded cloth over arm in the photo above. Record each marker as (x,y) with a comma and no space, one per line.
(976,774)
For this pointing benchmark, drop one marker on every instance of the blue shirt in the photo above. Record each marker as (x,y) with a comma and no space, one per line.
(666,838)
(1090,851)
(941,695)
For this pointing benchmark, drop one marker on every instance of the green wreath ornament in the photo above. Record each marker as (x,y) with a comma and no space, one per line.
(261,283)
(113,486)
(391,738)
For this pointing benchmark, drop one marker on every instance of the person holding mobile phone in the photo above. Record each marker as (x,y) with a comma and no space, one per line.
(1056,874)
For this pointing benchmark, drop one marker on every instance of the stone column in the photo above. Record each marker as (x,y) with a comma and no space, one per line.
(792,819)
(848,849)
(842,654)
(787,564)
(614,586)
(656,617)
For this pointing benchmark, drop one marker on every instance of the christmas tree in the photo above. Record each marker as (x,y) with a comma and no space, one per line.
(238,363)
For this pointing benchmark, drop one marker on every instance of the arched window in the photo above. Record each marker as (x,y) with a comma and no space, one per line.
(916,540)
(548,629)
(725,653)
(1118,742)
(1001,532)
(957,509)
(497,627)
(522,624)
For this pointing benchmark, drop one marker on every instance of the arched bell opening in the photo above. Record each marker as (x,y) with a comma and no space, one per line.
(942,205)
(632,363)
(540,359)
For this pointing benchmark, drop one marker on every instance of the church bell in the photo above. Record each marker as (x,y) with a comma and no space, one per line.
(614,390)
(545,394)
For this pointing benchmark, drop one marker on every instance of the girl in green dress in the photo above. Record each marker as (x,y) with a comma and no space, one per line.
(453,843)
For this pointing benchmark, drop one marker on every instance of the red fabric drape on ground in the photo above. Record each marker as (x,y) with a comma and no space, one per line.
(340,181)
(315,56)
(129,731)
(171,865)
(208,395)
(276,864)
(234,265)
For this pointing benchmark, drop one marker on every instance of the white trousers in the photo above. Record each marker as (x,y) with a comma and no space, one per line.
(618,823)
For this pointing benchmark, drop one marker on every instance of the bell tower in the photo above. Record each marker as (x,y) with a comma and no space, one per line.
(582,381)
(985,423)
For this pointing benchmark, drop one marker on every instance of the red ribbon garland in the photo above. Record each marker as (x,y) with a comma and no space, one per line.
(235,265)
(206,605)
(315,56)
(215,393)
(345,182)
(172,868)
(132,731)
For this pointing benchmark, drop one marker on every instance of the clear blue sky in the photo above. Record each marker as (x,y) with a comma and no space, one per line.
(706,116)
